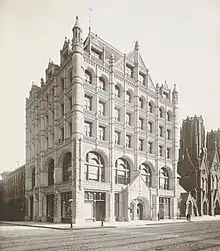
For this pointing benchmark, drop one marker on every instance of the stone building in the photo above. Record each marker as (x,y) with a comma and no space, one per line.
(199,169)
(101,137)
(13,195)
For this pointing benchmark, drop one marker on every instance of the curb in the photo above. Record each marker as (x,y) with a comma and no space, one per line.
(56,228)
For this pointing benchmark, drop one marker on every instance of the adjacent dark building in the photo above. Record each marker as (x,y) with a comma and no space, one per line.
(199,169)
(12,197)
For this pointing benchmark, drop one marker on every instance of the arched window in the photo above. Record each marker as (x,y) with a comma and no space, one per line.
(122,171)
(203,184)
(51,173)
(141,103)
(94,167)
(146,174)
(62,86)
(161,112)
(128,96)
(150,105)
(67,167)
(168,116)
(117,91)
(33,177)
(164,179)
(101,84)
(88,77)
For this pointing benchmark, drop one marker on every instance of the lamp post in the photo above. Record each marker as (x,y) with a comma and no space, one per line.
(71,222)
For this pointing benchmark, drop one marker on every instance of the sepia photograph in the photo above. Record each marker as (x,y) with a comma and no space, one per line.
(110,129)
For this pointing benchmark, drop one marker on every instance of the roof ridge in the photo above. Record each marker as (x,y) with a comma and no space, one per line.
(107,43)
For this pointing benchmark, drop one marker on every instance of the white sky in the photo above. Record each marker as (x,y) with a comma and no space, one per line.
(179,42)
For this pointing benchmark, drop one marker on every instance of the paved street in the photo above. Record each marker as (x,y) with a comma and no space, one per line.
(172,237)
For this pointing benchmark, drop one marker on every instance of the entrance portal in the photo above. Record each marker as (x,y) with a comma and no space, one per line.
(139,211)
(217,208)
(50,207)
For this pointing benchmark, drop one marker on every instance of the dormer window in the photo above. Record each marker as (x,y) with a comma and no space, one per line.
(95,53)
(129,71)
(166,95)
(141,78)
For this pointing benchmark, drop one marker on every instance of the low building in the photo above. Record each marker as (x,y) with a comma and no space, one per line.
(13,194)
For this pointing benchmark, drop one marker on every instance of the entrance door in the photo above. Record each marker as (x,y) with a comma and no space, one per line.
(139,211)
(100,210)
(31,208)
(50,207)
(217,208)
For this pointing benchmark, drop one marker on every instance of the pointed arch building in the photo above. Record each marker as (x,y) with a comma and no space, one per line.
(101,138)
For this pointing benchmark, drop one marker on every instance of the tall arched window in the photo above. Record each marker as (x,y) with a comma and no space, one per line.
(146,174)
(128,96)
(122,171)
(33,177)
(88,77)
(102,84)
(161,112)
(94,167)
(51,172)
(67,167)
(70,76)
(216,183)
(141,103)
(117,91)
(150,106)
(169,116)
(164,179)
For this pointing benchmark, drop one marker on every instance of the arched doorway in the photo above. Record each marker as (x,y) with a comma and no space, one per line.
(217,208)
(139,211)
(205,208)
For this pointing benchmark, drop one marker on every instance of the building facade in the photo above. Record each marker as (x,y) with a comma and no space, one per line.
(101,138)
(199,169)
(13,195)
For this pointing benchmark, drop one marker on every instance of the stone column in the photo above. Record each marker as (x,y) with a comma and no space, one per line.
(157,168)
(44,208)
(57,207)
(40,207)
(78,124)
(111,140)
(175,149)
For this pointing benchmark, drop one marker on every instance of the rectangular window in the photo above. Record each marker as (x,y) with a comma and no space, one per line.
(141,123)
(102,133)
(117,114)
(168,134)
(88,103)
(128,141)
(128,118)
(150,127)
(161,131)
(168,153)
(70,127)
(129,71)
(117,138)
(61,134)
(62,109)
(160,151)
(150,147)
(88,129)
(95,53)
(141,78)
(71,103)
(117,91)
(141,144)
(101,108)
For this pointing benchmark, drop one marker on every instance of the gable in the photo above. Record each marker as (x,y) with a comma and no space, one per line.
(138,188)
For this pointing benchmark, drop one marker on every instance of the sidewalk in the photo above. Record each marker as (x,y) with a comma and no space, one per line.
(96,225)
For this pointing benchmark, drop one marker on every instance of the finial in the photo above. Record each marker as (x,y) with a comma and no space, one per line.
(90,19)
(136,45)
(65,39)
(77,22)
(157,85)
